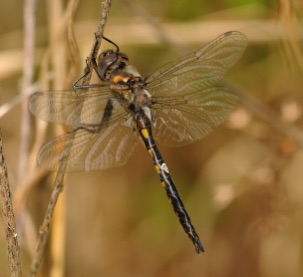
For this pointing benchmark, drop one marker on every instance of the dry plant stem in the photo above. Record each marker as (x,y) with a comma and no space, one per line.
(28,72)
(8,218)
(97,44)
(44,230)
(58,186)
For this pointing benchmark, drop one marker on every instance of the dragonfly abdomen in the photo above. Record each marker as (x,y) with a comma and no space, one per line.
(144,128)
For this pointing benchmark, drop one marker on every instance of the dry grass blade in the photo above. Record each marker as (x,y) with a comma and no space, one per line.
(8,218)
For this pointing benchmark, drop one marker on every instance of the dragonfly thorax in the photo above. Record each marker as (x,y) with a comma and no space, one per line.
(124,80)
(131,90)
(110,62)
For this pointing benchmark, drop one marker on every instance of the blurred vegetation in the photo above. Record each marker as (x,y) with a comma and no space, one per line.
(242,185)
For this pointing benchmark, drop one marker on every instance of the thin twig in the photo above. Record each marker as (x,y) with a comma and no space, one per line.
(45,228)
(58,186)
(96,46)
(8,218)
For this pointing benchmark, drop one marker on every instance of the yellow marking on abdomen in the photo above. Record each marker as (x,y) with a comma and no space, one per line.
(157,169)
(145,133)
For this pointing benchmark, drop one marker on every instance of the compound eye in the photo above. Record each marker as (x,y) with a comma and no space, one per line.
(105,63)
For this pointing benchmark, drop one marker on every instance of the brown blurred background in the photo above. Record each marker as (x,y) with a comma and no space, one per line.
(242,185)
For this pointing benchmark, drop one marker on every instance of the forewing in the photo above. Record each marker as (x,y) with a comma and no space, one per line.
(69,107)
(206,66)
(188,118)
(81,150)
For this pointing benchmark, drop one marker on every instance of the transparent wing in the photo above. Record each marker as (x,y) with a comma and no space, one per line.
(206,66)
(191,117)
(70,107)
(188,103)
(81,150)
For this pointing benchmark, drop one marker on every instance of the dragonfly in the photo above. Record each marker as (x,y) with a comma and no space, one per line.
(176,105)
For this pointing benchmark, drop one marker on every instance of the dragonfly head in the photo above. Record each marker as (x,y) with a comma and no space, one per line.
(109,62)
